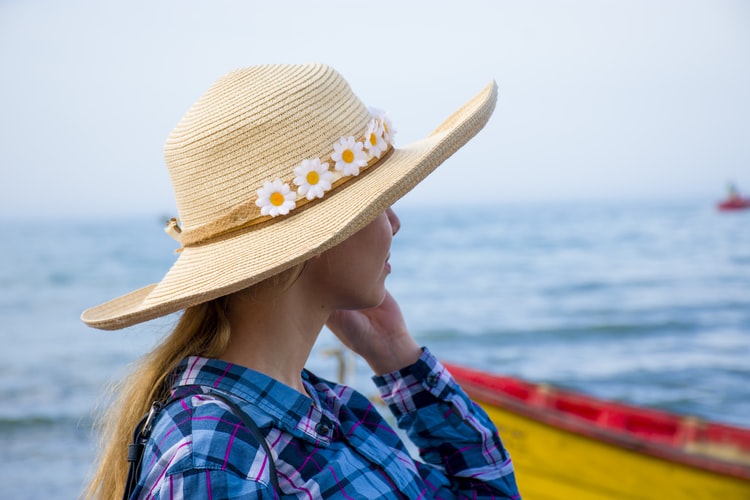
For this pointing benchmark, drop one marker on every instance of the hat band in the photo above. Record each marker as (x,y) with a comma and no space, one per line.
(313,178)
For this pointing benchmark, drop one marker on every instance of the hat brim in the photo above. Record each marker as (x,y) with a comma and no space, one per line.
(208,271)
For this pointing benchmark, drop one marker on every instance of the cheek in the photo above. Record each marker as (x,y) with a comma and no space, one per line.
(379,238)
(356,265)
(350,276)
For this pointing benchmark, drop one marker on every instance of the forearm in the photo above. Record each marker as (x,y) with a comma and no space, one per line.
(453,435)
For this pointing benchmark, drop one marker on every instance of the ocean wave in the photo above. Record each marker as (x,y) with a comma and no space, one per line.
(573,331)
(12,424)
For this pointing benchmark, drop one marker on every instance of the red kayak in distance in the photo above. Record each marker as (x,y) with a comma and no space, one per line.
(735,203)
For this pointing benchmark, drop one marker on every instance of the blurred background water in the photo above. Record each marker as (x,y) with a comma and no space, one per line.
(647,303)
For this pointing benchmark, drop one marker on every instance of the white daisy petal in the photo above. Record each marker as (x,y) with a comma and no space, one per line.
(313,178)
(349,156)
(275,198)
(375,142)
(388,131)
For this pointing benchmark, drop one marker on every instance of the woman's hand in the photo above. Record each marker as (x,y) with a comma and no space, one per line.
(378,334)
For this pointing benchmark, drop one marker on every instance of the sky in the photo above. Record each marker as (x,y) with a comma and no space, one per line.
(598,100)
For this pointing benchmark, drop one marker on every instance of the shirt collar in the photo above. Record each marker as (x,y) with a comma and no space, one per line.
(268,401)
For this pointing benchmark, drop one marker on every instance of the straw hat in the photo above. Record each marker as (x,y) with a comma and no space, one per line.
(273,165)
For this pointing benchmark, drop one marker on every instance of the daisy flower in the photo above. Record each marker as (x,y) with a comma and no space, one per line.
(275,198)
(313,178)
(349,156)
(374,142)
(382,117)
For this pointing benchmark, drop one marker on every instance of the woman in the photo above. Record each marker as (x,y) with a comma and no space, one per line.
(283,181)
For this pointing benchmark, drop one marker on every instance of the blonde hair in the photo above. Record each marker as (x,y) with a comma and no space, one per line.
(202,330)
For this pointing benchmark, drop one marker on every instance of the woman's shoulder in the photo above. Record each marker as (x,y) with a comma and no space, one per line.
(199,450)
(200,432)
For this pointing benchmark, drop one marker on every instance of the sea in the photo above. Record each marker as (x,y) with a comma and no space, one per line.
(641,302)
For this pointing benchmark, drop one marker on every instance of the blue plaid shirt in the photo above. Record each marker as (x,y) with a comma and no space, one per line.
(333,444)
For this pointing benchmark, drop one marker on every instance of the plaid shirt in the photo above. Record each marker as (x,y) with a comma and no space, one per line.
(333,444)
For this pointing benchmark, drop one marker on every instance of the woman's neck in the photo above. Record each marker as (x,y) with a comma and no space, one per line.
(274,333)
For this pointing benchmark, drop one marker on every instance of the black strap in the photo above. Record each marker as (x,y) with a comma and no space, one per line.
(143,430)
(141,435)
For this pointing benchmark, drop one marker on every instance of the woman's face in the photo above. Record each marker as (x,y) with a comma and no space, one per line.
(352,274)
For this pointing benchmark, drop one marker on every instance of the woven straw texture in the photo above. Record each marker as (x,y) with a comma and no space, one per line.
(255,125)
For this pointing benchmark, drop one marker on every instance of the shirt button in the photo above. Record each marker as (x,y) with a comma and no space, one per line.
(322,428)
(432,380)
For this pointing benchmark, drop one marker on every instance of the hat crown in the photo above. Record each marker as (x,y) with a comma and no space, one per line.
(254,125)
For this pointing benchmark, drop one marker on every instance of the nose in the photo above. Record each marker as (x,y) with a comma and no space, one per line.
(394,220)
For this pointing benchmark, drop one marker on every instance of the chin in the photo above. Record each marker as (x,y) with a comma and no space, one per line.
(380,299)
(374,300)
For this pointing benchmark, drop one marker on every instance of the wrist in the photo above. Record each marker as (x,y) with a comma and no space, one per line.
(395,356)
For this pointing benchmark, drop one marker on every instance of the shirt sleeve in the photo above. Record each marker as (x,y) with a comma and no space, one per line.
(463,453)
(210,483)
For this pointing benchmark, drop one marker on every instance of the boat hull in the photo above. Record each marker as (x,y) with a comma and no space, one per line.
(555,464)
(734,204)
(559,456)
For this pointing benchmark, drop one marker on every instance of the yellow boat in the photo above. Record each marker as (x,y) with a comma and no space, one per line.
(567,445)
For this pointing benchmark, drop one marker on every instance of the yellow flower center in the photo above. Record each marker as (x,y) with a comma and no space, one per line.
(276,199)
(312,177)
(347,156)
(373,139)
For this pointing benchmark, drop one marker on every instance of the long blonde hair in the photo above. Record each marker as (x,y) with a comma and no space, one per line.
(202,330)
